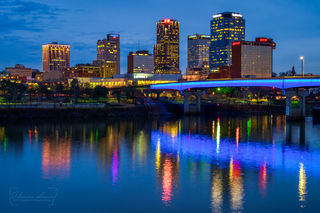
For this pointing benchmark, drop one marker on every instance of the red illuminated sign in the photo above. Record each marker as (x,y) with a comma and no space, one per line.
(236,43)
(263,39)
(166,21)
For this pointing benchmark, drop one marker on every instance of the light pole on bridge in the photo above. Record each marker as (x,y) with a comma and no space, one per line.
(302,65)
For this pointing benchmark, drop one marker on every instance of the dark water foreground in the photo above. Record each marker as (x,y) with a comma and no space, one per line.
(190,164)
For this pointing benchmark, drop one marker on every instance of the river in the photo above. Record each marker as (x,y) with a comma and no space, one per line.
(189,164)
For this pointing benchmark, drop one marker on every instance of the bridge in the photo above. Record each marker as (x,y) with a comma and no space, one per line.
(280,83)
(291,86)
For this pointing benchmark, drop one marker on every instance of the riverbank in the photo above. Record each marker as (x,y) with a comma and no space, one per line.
(115,110)
(70,111)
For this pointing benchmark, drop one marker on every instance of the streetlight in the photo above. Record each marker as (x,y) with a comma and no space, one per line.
(302,65)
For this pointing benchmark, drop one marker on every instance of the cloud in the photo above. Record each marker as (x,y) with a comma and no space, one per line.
(17,15)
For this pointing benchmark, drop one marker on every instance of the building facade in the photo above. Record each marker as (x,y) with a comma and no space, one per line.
(198,51)
(253,59)
(226,28)
(21,71)
(109,50)
(86,70)
(109,69)
(166,51)
(105,69)
(55,57)
(140,62)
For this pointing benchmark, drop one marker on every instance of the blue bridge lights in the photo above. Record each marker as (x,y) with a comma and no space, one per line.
(280,83)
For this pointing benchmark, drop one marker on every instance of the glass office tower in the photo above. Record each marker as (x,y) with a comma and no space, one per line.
(198,51)
(226,28)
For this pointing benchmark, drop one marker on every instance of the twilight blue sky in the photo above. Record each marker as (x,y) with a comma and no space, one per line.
(27,24)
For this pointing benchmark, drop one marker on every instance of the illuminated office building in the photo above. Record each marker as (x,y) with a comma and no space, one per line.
(198,55)
(166,51)
(198,51)
(109,69)
(86,70)
(140,62)
(226,28)
(252,59)
(109,50)
(55,57)
(104,69)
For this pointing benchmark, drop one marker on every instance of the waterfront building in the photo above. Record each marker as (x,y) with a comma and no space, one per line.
(21,71)
(140,62)
(109,50)
(253,59)
(55,57)
(226,28)
(105,82)
(123,80)
(166,51)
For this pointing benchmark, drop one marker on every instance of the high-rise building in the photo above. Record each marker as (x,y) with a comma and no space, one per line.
(226,28)
(252,59)
(198,51)
(166,51)
(140,62)
(55,57)
(198,55)
(109,50)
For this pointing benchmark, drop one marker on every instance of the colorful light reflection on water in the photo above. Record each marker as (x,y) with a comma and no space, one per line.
(238,164)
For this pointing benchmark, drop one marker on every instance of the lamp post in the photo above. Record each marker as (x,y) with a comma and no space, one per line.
(302,65)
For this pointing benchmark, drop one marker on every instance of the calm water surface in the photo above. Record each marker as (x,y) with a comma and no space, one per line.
(191,164)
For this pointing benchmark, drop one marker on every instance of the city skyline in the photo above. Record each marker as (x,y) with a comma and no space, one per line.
(294,37)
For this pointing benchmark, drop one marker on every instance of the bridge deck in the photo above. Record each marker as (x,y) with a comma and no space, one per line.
(280,83)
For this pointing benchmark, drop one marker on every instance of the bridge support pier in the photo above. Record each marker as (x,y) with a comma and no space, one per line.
(296,112)
(192,108)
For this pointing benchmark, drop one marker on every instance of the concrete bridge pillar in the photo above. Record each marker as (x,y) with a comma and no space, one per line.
(296,113)
(189,107)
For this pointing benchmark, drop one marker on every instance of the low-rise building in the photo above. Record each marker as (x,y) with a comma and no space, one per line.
(21,71)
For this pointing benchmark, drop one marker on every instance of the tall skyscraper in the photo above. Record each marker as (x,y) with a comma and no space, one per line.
(198,51)
(226,28)
(252,59)
(166,51)
(140,62)
(55,57)
(109,50)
